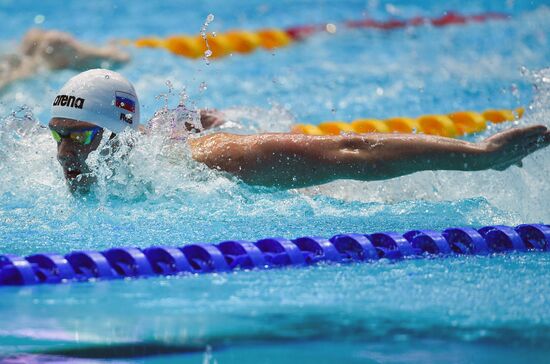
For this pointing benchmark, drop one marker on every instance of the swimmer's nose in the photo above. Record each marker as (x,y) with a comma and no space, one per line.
(67,155)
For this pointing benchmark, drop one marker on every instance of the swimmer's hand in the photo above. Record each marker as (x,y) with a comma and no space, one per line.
(509,147)
(211,118)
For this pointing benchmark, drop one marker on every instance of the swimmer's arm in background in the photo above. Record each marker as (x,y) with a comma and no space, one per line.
(59,50)
(13,67)
(52,49)
(294,160)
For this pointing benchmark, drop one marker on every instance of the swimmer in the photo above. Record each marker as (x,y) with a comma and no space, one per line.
(55,50)
(100,104)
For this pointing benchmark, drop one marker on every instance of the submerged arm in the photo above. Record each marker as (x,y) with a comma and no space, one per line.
(294,160)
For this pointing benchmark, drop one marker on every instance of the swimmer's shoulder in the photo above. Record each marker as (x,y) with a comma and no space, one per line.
(223,139)
(211,141)
(220,148)
(217,139)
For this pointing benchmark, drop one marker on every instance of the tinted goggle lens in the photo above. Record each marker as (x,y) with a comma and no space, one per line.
(82,137)
(56,136)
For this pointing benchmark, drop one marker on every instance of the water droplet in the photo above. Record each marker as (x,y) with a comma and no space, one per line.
(523,70)
(331,28)
(39,19)
(208,53)
(392,9)
(210,18)
(213,34)
(107,76)
(203,86)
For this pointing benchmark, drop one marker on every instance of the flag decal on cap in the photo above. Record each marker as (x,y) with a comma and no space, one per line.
(124,102)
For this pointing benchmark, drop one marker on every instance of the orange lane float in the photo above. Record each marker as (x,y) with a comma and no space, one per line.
(247,41)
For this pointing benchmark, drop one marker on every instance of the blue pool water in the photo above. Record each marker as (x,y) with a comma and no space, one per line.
(468,309)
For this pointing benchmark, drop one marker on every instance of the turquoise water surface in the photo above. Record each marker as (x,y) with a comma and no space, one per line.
(458,310)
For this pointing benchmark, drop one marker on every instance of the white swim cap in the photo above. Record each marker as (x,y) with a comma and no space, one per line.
(100,97)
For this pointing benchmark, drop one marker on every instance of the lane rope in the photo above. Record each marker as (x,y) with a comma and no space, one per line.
(119,263)
(452,125)
(246,41)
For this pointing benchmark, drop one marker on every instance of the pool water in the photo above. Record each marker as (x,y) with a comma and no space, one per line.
(462,309)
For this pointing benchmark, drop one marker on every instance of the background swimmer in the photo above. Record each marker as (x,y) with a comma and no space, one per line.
(55,50)
(109,102)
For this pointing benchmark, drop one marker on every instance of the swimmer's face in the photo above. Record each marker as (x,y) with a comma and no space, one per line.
(72,154)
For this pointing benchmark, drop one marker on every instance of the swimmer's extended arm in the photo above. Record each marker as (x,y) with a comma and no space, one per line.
(294,160)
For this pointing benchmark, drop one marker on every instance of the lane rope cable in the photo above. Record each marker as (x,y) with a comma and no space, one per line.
(226,256)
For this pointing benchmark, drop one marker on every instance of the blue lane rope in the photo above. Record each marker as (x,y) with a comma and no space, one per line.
(267,253)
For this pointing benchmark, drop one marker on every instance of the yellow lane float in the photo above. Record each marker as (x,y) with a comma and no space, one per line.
(452,125)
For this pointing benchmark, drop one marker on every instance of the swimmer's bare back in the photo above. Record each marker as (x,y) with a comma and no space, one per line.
(296,160)
(54,50)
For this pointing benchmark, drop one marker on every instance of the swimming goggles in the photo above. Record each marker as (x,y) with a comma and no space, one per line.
(81,136)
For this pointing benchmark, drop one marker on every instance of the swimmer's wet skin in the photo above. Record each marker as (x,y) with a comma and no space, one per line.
(280,160)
